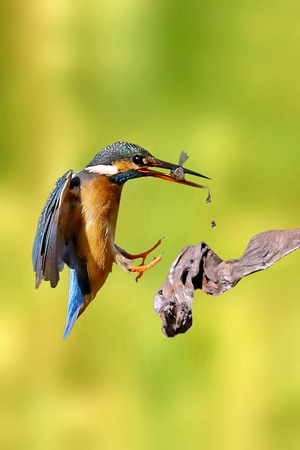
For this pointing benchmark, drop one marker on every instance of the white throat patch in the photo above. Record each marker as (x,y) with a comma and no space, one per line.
(102,169)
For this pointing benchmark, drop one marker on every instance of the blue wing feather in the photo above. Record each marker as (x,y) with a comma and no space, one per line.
(76,299)
(54,245)
(48,247)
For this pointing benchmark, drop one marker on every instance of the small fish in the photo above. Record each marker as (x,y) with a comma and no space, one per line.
(178,173)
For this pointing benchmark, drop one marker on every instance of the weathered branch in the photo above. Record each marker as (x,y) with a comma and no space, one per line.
(198,267)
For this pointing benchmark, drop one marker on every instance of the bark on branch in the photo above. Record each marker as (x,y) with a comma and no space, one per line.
(198,267)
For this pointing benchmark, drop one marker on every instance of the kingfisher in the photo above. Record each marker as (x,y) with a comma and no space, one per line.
(78,222)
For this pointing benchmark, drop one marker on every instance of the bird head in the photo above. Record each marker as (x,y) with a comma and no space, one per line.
(123,161)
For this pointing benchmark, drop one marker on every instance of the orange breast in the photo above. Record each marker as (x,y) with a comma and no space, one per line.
(100,205)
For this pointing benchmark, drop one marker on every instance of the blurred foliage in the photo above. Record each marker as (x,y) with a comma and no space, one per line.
(219,80)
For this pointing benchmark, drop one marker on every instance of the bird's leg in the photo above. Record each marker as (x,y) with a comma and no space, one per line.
(142,255)
(142,267)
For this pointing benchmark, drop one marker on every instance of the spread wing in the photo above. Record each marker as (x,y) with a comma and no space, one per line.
(49,248)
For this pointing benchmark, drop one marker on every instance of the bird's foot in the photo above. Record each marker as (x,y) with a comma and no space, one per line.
(142,267)
(144,255)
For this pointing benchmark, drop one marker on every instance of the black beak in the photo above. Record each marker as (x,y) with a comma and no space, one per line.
(177,173)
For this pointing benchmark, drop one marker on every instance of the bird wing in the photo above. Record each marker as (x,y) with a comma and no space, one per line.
(49,244)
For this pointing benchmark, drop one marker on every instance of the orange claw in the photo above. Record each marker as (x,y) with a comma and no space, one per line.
(144,255)
(142,268)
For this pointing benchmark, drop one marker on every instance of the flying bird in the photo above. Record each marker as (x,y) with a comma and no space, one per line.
(78,223)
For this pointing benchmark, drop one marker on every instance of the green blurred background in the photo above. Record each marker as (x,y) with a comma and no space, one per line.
(221,81)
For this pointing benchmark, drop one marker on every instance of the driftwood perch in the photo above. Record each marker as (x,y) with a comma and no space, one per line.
(198,267)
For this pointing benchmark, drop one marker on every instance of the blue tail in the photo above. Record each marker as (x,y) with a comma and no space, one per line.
(76,299)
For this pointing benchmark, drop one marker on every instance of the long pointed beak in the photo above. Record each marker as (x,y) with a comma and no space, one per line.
(177,173)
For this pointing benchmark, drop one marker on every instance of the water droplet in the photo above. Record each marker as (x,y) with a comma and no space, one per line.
(208,200)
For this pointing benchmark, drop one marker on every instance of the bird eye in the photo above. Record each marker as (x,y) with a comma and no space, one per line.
(138,160)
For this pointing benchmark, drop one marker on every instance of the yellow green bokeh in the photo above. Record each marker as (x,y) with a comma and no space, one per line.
(221,81)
